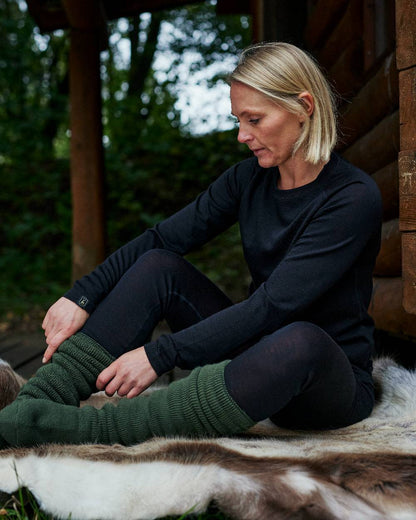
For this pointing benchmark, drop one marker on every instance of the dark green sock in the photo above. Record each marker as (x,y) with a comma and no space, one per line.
(71,375)
(198,405)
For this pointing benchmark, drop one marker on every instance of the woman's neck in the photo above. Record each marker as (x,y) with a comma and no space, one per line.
(297,173)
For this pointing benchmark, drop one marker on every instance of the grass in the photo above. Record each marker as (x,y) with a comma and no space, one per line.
(23,506)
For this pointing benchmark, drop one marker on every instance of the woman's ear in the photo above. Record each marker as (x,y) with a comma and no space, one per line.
(306,100)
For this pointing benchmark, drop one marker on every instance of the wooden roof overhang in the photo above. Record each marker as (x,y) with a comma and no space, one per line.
(87,25)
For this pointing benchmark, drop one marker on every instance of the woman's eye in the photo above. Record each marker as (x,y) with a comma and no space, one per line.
(254,121)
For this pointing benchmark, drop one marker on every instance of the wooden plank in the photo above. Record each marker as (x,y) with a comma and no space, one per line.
(389,260)
(377,98)
(84,15)
(407,82)
(347,30)
(387,309)
(378,147)
(405,33)
(407,190)
(379,30)
(87,160)
(347,72)
(257,24)
(387,180)
(126,8)
(322,20)
(369,33)
(409,271)
(50,16)
(233,7)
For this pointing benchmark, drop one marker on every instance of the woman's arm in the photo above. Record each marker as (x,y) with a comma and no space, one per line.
(212,212)
(325,251)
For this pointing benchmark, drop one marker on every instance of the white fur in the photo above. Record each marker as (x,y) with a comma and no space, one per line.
(87,489)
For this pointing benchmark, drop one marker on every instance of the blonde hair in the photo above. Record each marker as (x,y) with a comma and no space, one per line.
(282,72)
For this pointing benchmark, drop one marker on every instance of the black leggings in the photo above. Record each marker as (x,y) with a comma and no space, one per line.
(298,376)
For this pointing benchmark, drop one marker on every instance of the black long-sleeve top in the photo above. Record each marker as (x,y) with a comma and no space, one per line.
(310,251)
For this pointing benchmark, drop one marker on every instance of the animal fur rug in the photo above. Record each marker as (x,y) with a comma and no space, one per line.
(363,472)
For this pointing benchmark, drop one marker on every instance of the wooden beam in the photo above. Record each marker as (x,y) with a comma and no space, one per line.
(347,30)
(84,15)
(126,8)
(378,30)
(257,12)
(406,63)
(407,190)
(347,72)
(322,20)
(378,147)
(48,16)
(233,7)
(405,33)
(87,163)
(407,82)
(409,272)
(378,97)
(387,310)
(387,180)
(389,259)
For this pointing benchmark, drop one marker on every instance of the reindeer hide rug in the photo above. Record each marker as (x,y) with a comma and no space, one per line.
(364,472)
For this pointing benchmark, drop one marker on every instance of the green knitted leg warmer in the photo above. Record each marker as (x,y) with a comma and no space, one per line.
(71,375)
(196,406)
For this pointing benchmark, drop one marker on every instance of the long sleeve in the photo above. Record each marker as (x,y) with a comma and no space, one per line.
(328,262)
(212,212)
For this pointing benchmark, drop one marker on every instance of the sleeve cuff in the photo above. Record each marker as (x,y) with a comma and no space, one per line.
(161,356)
(81,300)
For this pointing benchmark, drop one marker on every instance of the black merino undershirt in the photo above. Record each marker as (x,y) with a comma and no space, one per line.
(310,251)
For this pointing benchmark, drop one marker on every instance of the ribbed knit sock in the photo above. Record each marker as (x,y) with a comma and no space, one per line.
(198,405)
(71,375)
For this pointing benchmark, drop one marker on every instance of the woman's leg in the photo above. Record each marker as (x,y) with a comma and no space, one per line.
(160,285)
(195,406)
(299,377)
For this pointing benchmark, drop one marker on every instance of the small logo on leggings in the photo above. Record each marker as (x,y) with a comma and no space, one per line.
(82,302)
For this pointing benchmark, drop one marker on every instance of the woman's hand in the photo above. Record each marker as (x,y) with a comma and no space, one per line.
(62,320)
(129,375)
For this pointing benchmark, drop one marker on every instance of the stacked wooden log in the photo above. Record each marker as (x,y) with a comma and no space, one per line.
(354,40)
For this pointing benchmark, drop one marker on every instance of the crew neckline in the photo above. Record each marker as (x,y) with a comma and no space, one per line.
(305,187)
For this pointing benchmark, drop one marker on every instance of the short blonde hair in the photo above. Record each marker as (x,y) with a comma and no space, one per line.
(282,72)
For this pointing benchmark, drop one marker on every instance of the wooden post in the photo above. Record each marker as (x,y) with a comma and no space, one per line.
(257,12)
(406,63)
(87,163)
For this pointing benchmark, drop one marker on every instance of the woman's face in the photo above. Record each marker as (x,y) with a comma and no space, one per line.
(267,129)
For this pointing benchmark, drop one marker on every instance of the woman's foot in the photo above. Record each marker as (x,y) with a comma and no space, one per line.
(10,384)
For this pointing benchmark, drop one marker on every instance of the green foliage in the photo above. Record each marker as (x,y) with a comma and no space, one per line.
(34,194)
(154,164)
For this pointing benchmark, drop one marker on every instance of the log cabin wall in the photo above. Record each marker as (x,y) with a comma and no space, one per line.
(355,43)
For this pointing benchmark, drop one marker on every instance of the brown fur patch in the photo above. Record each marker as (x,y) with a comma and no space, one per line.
(10,384)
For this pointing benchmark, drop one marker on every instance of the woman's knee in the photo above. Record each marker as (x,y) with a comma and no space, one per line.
(304,342)
(155,262)
(159,257)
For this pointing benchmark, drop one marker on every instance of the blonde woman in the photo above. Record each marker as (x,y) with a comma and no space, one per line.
(297,350)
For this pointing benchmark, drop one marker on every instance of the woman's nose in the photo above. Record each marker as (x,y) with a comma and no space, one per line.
(243,135)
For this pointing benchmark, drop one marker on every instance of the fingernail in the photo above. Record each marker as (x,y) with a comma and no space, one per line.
(44,360)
